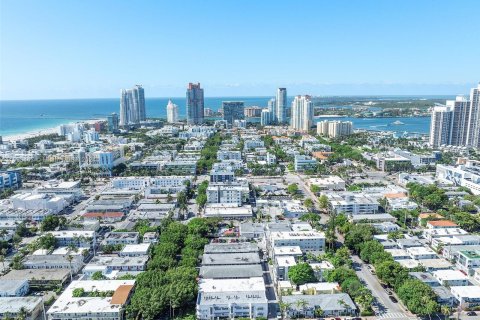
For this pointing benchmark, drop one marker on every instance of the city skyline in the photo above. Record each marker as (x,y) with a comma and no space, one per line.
(364,48)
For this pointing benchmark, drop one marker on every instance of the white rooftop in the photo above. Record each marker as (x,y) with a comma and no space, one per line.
(472,292)
(287,250)
(136,248)
(285,261)
(446,275)
(231,285)
(67,304)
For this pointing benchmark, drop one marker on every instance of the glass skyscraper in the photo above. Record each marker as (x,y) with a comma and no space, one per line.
(195,104)
(281,107)
(132,105)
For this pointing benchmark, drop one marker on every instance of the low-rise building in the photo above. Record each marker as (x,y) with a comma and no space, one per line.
(135,250)
(231,272)
(78,238)
(109,306)
(307,240)
(53,262)
(468,261)
(466,295)
(39,279)
(352,203)
(281,267)
(336,304)
(422,252)
(232,298)
(16,307)
(328,183)
(451,278)
(114,238)
(228,211)
(302,163)
(13,288)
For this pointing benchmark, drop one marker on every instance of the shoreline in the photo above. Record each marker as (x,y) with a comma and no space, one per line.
(45,131)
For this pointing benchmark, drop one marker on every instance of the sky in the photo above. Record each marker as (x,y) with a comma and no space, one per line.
(57,49)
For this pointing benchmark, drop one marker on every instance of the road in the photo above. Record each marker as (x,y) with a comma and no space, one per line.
(386,308)
(292,177)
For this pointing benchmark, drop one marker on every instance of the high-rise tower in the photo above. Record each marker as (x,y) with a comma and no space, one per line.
(195,104)
(302,113)
(172,112)
(132,105)
(281,106)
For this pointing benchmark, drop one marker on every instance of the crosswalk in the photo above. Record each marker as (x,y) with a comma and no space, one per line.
(396,315)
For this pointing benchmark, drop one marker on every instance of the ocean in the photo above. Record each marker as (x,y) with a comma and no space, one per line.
(18,117)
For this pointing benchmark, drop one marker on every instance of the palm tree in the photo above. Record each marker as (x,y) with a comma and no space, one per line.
(2,260)
(69,259)
(285,307)
(22,314)
(302,304)
(318,312)
(446,310)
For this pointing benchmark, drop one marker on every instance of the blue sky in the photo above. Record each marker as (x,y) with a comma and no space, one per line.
(88,49)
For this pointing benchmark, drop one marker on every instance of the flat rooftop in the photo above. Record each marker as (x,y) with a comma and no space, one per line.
(67,304)
(230,272)
(37,274)
(14,304)
(240,247)
(230,258)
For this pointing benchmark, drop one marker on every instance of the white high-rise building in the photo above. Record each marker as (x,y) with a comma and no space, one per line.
(334,129)
(281,105)
(132,105)
(473,131)
(440,126)
(302,113)
(272,107)
(459,127)
(266,117)
(172,112)
(458,122)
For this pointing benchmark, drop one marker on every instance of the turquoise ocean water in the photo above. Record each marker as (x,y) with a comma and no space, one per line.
(18,117)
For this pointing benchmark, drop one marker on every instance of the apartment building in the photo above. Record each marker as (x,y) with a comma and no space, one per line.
(352,203)
(70,306)
(307,240)
(231,298)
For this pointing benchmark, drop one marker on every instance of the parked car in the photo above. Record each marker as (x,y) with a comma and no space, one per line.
(393,299)
(471,313)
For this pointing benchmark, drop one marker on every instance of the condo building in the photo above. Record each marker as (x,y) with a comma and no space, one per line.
(172,112)
(132,105)
(233,110)
(457,123)
(302,113)
(281,105)
(195,104)
(334,129)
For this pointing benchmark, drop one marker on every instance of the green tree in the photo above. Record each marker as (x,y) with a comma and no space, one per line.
(308,203)
(98,275)
(323,199)
(50,223)
(292,189)
(418,297)
(301,273)
(357,235)
(391,272)
(47,241)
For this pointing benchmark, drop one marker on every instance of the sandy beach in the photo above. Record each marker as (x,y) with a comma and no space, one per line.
(52,130)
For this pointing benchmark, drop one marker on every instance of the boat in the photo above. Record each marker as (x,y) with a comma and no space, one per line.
(398,123)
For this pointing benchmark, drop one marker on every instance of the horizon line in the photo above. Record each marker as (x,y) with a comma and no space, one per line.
(256,96)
